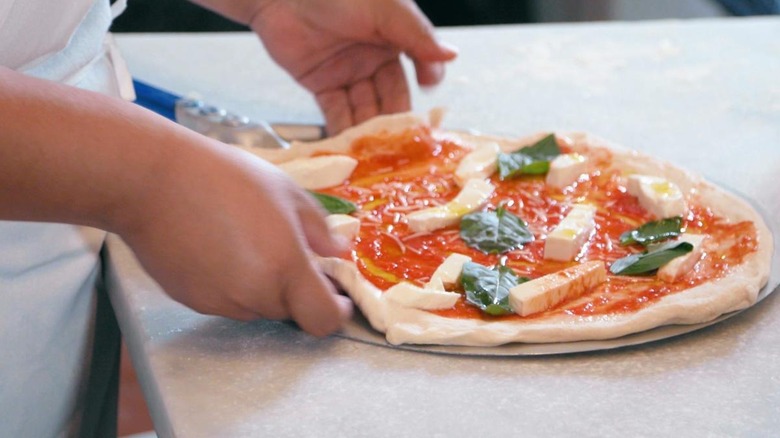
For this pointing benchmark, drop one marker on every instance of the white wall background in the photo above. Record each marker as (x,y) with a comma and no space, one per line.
(590,10)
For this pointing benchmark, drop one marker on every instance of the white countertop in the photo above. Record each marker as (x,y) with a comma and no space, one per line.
(703,94)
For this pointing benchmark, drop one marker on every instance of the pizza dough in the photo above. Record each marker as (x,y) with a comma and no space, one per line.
(736,289)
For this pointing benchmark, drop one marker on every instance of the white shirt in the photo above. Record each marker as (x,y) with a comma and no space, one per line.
(48,272)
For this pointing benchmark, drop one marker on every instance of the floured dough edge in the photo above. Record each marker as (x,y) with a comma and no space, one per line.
(702,303)
(342,142)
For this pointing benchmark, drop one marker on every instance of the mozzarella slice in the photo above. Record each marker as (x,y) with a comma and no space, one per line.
(448,272)
(657,195)
(433,296)
(319,172)
(566,169)
(545,292)
(475,193)
(409,295)
(343,225)
(680,266)
(566,240)
(479,163)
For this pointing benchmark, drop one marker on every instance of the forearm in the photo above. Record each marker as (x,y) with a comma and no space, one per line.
(219,229)
(74,156)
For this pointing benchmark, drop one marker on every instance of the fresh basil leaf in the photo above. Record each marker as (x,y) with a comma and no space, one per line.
(530,160)
(510,165)
(653,232)
(488,288)
(543,150)
(651,260)
(537,168)
(494,232)
(334,204)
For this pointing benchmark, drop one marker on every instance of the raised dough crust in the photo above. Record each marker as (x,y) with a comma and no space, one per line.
(702,303)
(343,141)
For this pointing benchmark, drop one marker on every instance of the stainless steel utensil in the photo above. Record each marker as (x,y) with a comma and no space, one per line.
(228,127)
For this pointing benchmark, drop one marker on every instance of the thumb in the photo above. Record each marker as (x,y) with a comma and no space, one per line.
(404,25)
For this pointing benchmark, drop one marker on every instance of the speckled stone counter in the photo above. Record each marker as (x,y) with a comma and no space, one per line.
(703,94)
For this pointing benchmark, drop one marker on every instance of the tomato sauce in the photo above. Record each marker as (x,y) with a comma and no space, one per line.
(401,173)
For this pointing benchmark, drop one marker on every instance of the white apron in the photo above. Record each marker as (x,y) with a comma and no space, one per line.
(49,272)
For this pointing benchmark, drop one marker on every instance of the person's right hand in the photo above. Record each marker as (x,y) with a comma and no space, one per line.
(347,52)
(226,233)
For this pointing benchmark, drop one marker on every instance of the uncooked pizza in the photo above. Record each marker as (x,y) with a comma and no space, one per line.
(464,239)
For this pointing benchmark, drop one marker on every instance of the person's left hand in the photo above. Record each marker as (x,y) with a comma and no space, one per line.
(347,52)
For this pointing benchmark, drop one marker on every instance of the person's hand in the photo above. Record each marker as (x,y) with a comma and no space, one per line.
(221,230)
(346,52)
(226,233)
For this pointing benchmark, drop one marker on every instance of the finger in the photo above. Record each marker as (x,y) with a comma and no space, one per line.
(314,304)
(261,300)
(392,88)
(230,310)
(408,28)
(210,303)
(363,100)
(346,308)
(242,314)
(429,73)
(335,107)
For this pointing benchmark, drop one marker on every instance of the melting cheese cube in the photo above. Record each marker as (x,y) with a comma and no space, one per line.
(546,292)
(657,195)
(409,295)
(343,225)
(680,266)
(479,163)
(448,272)
(566,169)
(319,172)
(475,193)
(566,240)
